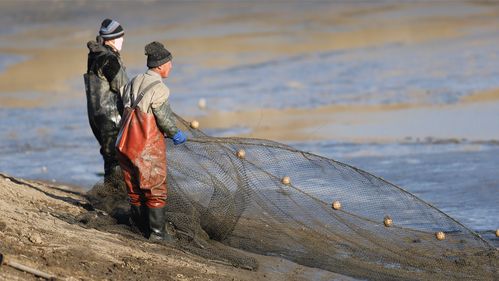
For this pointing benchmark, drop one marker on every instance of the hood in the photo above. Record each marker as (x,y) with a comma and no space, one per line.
(96,47)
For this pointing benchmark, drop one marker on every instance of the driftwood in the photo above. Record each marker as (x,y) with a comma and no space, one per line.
(5,261)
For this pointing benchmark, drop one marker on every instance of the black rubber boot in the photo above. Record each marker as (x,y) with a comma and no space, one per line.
(139,219)
(157,225)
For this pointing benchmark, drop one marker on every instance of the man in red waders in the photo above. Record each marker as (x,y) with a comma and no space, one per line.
(141,145)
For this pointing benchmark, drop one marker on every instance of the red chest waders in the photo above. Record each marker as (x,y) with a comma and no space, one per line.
(141,151)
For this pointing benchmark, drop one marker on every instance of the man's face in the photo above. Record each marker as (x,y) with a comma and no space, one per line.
(118,43)
(165,69)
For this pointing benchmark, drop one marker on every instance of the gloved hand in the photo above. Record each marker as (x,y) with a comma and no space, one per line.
(179,138)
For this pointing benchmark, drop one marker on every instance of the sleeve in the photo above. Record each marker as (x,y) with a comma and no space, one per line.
(163,113)
(125,94)
(111,70)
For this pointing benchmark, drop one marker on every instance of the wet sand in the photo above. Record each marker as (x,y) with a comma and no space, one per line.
(368,123)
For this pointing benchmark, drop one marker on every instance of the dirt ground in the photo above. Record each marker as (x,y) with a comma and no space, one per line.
(43,226)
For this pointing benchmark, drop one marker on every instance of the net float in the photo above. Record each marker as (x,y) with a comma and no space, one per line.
(286,180)
(194,124)
(440,235)
(202,103)
(336,205)
(241,153)
(388,221)
(497,232)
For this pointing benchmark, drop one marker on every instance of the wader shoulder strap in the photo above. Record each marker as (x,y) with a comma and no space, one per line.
(141,95)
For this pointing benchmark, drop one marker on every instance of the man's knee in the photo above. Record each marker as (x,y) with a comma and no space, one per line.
(155,202)
(156,197)
(134,199)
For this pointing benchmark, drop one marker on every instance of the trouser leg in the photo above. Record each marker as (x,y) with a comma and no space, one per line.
(156,196)
(148,217)
(113,174)
(156,201)
(108,152)
(138,210)
(151,215)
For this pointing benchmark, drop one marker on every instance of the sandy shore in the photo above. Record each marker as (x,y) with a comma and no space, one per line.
(367,123)
(34,231)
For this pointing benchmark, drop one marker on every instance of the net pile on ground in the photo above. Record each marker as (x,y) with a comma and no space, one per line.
(268,198)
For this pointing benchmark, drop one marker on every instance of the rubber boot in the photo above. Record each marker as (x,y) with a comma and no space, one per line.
(157,225)
(139,218)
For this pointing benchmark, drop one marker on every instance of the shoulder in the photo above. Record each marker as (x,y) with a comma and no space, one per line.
(112,59)
(95,47)
(139,78)
(161,91)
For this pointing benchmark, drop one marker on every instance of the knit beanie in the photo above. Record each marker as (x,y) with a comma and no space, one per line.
(111,29)
(157,54)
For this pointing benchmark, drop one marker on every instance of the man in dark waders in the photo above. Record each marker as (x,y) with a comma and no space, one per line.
(105,77)
(144,168)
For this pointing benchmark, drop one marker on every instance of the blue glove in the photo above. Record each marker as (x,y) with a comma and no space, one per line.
(179,138)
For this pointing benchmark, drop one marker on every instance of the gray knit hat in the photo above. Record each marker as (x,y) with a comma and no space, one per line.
(157,54)
(111,29)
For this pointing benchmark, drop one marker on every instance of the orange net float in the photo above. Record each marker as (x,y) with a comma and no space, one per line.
(241,153)
(440,235)
(194,124)
(286,180)
(387,221)
(336,205)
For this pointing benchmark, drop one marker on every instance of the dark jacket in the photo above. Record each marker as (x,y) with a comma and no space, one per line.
(105,77)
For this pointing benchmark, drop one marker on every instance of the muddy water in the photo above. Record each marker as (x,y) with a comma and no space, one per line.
(243,57)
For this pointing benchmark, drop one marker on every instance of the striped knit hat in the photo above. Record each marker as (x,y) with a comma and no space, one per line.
(111,29)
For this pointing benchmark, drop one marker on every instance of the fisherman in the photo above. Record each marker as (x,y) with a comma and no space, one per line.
(145,176)
(105,77)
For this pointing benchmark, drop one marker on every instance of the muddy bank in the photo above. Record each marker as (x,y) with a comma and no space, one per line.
(366,123)
(43,226)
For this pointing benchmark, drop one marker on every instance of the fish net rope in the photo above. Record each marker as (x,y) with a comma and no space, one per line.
(307,155)
(226,193)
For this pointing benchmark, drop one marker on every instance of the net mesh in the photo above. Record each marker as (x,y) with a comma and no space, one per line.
(276,200)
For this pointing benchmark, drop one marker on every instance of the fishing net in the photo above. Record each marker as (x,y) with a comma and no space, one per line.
(269,198)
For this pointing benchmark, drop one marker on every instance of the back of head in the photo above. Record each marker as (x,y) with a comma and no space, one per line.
(157,54)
